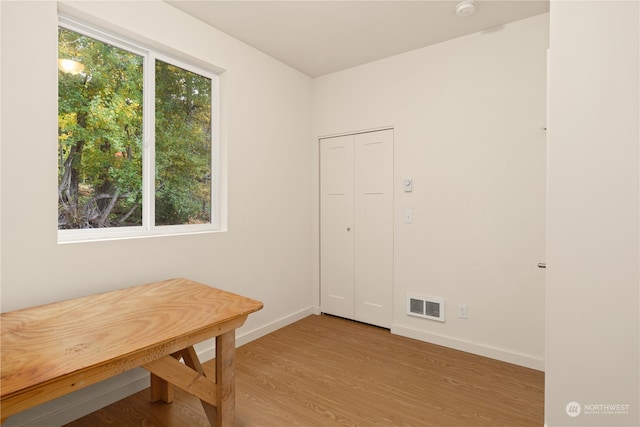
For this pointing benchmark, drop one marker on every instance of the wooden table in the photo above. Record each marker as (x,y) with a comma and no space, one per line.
(55,349)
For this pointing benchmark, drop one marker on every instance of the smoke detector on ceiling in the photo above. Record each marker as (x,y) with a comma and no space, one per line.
(466,8)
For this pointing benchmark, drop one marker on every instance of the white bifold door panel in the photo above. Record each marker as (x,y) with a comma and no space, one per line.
(373,212)
(336,226)
(356,226)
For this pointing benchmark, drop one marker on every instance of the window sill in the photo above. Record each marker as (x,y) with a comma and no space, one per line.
(101,235)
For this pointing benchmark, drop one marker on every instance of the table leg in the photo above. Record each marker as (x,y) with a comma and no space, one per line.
(225,379)
(161,390)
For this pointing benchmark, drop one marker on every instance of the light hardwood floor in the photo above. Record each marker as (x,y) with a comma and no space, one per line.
(328,371)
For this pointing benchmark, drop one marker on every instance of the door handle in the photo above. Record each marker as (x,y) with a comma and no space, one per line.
(542,265)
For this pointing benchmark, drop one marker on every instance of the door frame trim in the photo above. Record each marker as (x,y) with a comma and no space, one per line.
(357,132)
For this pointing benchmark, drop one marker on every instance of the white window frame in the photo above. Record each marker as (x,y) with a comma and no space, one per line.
(148,227)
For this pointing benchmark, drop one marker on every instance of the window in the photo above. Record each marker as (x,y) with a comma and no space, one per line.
(137,140)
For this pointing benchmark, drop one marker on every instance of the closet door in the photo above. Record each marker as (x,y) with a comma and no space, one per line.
(356,226)
(373,213)
(336,226)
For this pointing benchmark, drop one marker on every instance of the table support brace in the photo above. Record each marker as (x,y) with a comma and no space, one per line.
(217,397)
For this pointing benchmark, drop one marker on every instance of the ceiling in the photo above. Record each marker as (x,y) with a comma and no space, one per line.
(322,37)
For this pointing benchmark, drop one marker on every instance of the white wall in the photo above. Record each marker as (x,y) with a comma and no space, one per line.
(266,254)
(593,288)
(468,116)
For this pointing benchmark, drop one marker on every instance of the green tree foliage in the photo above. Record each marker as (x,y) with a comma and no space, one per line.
(183,146)
(100,139)
(99,135)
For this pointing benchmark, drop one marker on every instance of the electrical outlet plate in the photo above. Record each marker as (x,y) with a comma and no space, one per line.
(463,312)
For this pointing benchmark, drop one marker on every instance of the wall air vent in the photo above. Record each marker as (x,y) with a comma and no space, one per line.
(425,307)
(416,306)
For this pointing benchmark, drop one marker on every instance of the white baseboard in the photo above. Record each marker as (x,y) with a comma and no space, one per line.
(470,347)
(83,402)
(208,350)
